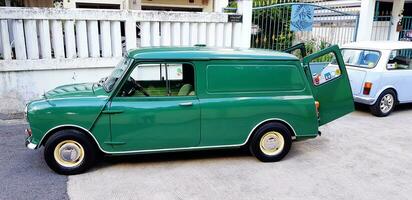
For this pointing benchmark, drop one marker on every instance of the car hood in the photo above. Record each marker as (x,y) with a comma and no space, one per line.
(74,90)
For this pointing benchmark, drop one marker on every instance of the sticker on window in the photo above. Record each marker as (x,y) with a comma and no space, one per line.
(324,69)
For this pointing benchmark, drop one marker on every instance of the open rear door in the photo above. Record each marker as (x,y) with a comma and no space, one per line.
(301,47)
(330,83)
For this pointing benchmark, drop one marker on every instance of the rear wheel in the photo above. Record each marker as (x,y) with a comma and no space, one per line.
(271,142)
(385,104)
(69,152)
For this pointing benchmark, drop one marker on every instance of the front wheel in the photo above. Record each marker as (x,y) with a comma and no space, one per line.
(69,152)
(271,142)
(385,104)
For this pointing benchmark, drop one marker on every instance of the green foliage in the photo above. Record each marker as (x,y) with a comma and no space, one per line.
(313,46)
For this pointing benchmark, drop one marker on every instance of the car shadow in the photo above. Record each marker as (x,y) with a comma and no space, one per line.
(174,156)
(398,108)
(198,155)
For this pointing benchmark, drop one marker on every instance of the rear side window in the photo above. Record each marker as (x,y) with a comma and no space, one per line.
(253,78)
(400,59)
(360,58)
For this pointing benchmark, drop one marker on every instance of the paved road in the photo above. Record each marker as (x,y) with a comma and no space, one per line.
(23,173)
(357,157)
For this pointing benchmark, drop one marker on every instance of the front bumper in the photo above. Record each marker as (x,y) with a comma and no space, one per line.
(29,144)
(363,100)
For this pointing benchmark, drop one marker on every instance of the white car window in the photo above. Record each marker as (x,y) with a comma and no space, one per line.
(400,59)
(360,58)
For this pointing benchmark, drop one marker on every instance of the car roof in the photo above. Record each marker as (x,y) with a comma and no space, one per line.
(204,53)
(379,45)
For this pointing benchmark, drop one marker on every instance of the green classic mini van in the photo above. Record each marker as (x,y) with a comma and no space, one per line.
(179,99)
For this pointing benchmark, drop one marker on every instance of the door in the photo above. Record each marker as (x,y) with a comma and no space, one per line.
(162,113)
(330,84)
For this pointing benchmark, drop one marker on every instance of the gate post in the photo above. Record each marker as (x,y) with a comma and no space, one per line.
(396,11)
(245,8)
(366,20)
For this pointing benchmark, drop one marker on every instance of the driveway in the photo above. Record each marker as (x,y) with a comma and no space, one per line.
(357,157)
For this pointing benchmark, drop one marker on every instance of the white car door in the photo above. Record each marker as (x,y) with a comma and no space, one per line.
(400,73)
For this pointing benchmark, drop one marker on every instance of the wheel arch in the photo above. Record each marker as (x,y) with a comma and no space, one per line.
(388,88)
(55,129)
(271,120)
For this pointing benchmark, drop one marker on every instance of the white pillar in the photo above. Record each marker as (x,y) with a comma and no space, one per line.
(93,38)
(202,33)
(145,34)
(44,39)
(193,33)
(116,38)
(185,34)
(210,36)
(81,39)
(106,38)
(32,44)
(236,35)
(69,39)
(19,43)
(57,38)
(219,5)
(366,20)
(130,28)
(245,8)
(219,34)
(5,39)
(165,34)
(227,37)
(154,34)
(397,8)
(175,34)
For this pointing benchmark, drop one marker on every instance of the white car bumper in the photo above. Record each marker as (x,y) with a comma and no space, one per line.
(364,100)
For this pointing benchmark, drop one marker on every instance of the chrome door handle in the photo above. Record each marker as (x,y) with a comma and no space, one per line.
(186,104)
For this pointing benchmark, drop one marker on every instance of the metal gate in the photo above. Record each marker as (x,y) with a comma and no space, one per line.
(271,27)
(406,33)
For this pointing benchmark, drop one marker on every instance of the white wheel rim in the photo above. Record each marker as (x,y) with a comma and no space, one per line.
(272,143)
(69,153)
(386,103)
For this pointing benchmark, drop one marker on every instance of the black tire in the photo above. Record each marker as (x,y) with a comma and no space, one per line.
(90,152)
(376,108)
(279,130)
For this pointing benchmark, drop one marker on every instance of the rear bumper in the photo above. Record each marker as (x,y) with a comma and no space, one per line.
(363,100)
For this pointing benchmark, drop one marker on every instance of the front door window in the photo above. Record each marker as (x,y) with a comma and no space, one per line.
(160,79)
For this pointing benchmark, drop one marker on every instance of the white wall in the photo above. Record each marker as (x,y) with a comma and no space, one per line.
(63,46)
(17,88)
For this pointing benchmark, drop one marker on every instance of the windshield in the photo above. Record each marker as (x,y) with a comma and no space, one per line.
(116,74)
(361,58)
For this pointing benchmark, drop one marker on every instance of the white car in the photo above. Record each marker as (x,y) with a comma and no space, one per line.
(380,73)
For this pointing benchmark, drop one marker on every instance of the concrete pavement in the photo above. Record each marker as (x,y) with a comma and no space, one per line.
(357,157)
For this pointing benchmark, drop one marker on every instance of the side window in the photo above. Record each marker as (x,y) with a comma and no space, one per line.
(324,69)
(160,79)
(400,59)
